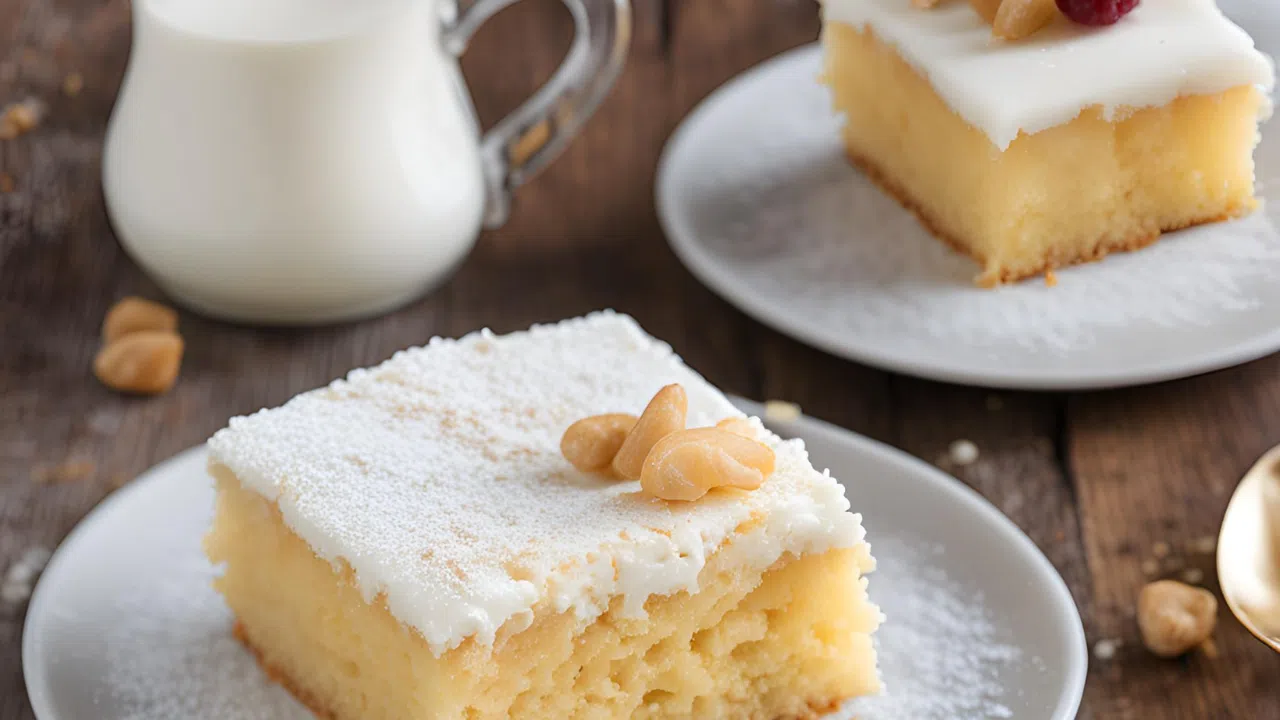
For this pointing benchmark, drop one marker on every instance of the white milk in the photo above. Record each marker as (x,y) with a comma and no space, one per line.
(293,161)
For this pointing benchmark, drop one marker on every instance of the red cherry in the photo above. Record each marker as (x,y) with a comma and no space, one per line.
(1096,12)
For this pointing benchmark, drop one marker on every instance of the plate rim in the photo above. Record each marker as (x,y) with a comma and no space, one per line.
(37,604)
(1077,663)
(698,260)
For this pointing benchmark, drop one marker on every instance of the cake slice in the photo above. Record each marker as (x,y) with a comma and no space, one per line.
(1057,148)
(411,543)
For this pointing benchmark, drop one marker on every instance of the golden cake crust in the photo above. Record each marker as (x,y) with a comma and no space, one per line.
(990,279)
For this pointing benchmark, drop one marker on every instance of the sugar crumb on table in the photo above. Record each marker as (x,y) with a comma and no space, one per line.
(20,578)
(20,117)
(962,452)
(72,84)
(1106,648)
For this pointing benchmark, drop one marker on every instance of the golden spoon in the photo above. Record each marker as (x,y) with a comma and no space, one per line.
(1249,551)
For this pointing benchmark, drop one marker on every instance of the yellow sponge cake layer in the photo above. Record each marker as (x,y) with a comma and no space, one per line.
(782,643)
(410,543)
(1068,194)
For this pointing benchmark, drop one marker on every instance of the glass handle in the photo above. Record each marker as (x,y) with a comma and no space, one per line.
(532,136)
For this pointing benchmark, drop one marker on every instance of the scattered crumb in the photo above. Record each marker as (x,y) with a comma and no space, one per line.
(1106,649)
(994,403)
(72,84)
(6,183)
(20,117)
(29,565)
(1050,278)
(1160,550)
(1150,567)
(963,452)
(1192,576)
(66,471)
(781,411)
(1204,545)
(20,579)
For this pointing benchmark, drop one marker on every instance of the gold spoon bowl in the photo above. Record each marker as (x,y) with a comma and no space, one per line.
(1249,551)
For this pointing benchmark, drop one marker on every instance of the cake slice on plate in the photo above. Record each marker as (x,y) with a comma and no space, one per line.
(1050,142)
(428,539)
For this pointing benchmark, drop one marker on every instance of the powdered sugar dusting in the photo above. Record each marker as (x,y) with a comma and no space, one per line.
(940,651)
(795,235)
(173,656)
(438,477)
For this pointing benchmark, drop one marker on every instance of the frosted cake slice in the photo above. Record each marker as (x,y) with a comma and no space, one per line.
(1057,147)
(410,543)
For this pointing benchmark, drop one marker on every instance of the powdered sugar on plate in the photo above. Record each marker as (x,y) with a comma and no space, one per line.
(173,656)
(940,650)
(758,199)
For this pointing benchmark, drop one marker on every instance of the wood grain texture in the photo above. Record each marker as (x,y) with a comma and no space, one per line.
(1095,479)
(1157,465)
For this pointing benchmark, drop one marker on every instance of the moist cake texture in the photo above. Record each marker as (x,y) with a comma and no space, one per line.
(1054,149)
(409,543)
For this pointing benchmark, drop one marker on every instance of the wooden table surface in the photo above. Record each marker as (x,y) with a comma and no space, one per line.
(1096,479)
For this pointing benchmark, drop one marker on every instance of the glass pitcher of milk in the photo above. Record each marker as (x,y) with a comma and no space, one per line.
(307,161)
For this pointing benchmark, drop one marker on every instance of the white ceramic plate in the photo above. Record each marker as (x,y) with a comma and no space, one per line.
(758,201)
(124,623)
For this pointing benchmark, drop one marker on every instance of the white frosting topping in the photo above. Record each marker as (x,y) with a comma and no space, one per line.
(1161,50)
(438,477)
